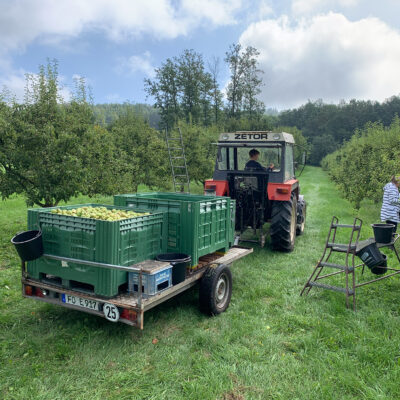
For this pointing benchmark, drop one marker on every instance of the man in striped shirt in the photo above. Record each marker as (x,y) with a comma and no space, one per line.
(391,202)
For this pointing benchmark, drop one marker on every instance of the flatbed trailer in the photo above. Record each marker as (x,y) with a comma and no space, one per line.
(213,275)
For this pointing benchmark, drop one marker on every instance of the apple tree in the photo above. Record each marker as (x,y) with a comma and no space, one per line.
(50,150)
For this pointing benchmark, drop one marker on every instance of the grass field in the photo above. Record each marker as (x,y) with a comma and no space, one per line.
(270,344)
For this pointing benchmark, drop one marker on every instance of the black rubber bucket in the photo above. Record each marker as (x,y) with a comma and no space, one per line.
(383,232)
(370,254)
(380,269)
(28,244)
(179,264)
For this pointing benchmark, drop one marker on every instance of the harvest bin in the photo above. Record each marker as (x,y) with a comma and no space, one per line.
(197,225)
(123,242)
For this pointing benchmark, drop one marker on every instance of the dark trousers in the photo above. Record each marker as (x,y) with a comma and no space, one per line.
(393,223)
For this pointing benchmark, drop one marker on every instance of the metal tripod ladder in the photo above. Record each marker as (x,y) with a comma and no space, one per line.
(347,268)
(177,159)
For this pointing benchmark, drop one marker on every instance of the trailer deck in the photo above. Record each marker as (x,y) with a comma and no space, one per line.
(128,308)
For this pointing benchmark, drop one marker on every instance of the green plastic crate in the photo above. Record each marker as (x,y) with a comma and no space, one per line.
(124,243)
(197,225)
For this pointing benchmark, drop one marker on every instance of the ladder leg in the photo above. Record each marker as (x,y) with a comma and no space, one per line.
(307,286)
(354,281)
(347,288)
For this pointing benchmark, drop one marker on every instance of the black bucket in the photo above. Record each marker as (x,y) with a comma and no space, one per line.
(179,264)
(28,244)
(381,268)
(369,253)
(383,232)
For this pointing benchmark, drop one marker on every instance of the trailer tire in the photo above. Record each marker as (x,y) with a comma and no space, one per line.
(215,290)
(283,224)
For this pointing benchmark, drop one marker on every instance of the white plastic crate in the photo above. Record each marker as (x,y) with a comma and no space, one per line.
(156,276)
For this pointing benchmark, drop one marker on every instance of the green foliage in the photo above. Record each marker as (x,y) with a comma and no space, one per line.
(200,150)
(302,144)
(245,83)
(183,89)
(195,85)
(50,150)
(164,89)
(263,123)
(364,164)
(328,126)
(106,114)
(141,154)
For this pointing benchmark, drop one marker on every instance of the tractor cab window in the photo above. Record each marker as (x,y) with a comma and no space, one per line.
(289,164)
(235,158)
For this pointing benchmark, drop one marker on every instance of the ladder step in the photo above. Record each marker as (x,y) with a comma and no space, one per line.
(330,287)
(341,248)
(172,138)
(175,148)
(176,158)
(356,227)
(337,266)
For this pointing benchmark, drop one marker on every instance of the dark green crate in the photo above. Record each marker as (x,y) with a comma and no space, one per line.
(95,280)
(197,225)
(124,242)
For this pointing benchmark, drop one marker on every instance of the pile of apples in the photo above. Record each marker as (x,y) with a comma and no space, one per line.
(101,213)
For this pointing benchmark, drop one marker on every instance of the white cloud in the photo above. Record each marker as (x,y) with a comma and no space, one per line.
(214,11)
(139,63)
(326,57)
(54,21)
(14,83)
(303,7)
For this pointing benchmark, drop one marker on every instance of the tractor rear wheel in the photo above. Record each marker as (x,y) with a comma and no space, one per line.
(283,224)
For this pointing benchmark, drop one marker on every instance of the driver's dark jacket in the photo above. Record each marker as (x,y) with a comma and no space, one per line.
(255,165)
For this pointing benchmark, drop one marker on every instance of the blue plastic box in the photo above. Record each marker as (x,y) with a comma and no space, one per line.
(156,277)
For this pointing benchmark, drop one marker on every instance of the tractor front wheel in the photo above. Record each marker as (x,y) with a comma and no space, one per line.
(301,215)
(283,224)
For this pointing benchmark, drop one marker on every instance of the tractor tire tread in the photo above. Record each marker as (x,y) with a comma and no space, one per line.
(281,225)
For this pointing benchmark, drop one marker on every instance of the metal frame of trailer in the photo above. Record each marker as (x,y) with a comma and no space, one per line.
(135,303)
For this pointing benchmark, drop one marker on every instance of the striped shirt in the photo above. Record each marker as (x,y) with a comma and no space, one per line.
(391,203)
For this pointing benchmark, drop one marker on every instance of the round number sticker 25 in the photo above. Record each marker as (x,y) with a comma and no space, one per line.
(111,312)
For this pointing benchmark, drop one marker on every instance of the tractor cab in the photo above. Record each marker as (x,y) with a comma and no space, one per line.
(259,185)
(275,149)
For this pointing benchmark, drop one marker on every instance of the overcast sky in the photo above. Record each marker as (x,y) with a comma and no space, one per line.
(310,49)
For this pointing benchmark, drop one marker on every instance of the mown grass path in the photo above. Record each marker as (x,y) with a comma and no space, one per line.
(270,344)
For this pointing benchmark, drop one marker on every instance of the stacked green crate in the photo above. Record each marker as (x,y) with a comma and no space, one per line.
(197,225)
(124,242)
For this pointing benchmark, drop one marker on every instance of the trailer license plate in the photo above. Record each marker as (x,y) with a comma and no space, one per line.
(78,301)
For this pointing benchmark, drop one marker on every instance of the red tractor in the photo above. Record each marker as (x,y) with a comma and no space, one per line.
(267,195)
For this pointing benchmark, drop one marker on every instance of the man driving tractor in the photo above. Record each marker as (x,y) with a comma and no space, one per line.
(254,164)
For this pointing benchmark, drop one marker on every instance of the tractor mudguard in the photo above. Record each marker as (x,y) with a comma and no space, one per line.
(221,188)
(282,191)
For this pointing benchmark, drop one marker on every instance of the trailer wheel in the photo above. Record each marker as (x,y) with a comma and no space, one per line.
(301,215)
(215,289)
(283,224)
